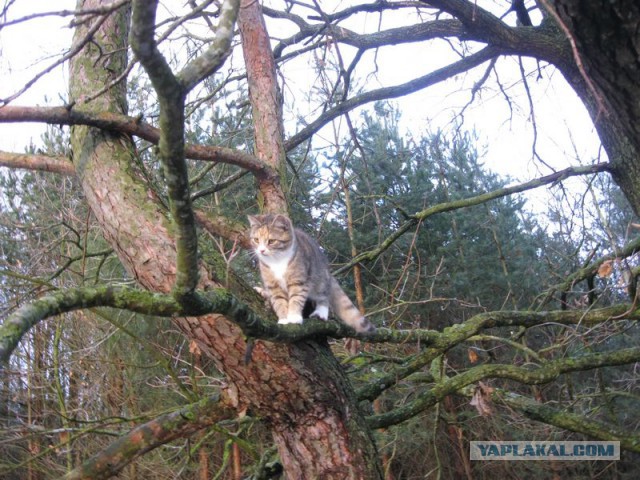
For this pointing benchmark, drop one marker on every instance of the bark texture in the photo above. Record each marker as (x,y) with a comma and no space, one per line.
(605,72)
(300,389)
(266,105)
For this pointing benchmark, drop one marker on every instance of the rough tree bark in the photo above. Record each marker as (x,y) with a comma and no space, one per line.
(605,72)
(300,389)
(266,103)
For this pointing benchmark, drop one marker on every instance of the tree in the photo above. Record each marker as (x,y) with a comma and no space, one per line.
(288,375)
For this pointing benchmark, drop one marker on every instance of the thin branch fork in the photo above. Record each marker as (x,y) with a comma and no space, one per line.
(172,91)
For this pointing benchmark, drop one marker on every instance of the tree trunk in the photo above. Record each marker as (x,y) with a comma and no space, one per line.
(607,79)
(266,104)
(300,389)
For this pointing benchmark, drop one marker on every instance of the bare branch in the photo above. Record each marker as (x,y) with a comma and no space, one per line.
(159,431)
(132,126)
(478,21)
(415,85)
(42,163)
(393,36)
(468,202)
(218,186)
(102,10)
(72,52)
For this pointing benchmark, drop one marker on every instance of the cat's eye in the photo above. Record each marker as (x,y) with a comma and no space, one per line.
(272,241)
(255,240)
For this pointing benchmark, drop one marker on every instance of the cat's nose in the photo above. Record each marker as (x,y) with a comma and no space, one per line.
(262,250)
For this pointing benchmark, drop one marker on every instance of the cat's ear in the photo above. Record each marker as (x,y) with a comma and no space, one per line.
(254,220)
(282,221)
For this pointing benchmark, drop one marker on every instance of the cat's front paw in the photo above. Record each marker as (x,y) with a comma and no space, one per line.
(290,319)
(263,292)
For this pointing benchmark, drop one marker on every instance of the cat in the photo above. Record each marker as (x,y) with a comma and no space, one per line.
(295,272)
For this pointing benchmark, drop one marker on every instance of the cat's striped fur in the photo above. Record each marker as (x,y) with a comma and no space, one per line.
(294,270)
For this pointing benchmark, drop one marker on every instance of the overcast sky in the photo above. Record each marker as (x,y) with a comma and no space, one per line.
(507,136)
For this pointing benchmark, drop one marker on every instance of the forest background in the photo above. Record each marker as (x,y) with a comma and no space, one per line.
(503,312)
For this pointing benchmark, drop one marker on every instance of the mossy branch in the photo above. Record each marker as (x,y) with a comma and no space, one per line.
(171,97)
(25,317)
(172,90)
(422,215)
(146,437)
(569,421)
(439,342)
(221,301)
(213,58)
(530,376)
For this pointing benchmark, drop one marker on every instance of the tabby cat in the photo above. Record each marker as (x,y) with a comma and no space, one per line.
(294,270)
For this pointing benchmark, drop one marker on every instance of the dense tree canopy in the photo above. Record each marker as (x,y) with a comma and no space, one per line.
(133,342)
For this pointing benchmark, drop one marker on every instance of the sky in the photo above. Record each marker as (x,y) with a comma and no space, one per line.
(25,49)
(565,134)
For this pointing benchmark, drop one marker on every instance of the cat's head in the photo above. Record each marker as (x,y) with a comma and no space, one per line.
(271,235)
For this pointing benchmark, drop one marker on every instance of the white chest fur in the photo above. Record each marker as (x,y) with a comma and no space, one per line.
(278,265)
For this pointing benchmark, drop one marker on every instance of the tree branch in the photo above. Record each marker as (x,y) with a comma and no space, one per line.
(28,315)
(221,301)
(213,58)
(461,66)
(393,36)
(144,438)
(591,269)
(171,97)
(439,342)
(482,23)
(75,48)
(102,10)
(569,421)
(132,126)
(469,202)
(539,375)
(42,163)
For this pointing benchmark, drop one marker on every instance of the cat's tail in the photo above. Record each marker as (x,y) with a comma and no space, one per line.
(346,311)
